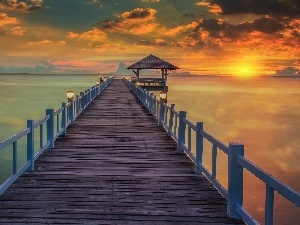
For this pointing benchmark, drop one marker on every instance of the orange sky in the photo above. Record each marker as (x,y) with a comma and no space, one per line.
(238,37)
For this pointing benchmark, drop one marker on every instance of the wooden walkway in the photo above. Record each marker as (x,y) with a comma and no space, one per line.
(114,166)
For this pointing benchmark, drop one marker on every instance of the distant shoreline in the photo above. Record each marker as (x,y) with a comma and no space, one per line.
(120,75)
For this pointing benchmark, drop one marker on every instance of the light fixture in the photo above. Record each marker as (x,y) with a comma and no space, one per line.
(97,82)
(70,94)
(163,95)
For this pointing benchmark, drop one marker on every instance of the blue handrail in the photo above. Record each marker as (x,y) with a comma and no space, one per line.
(176,124)
(60,118)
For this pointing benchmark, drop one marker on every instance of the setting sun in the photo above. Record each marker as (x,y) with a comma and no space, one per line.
(244,69)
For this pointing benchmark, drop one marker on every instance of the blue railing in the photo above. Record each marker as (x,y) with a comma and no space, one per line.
(54,123)
(180,128)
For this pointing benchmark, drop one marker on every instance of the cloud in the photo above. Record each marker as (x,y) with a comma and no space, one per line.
(150,0)
(6,20)
(139,14)
(92,35)
(72,63)
(24,5)
(288,71)
(45,42)
(137,21)
(158,43)
(36,69)
(188,15)
(122,69)
(257,7)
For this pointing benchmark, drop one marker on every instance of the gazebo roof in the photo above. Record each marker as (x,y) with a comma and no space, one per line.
(152,62)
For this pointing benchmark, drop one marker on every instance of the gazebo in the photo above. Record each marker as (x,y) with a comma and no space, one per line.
(152,62)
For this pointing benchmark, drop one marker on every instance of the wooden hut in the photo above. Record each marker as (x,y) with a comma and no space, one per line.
(152,62)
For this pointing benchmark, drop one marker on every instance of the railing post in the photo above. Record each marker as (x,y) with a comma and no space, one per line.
(235,179)
(151,103)
(171,119)
(71,111)
(155,107)
(30,145)
(162,111)
(50,128)
(64,119)
(77,105)
(90,96)
(181,131)
(199,147)
(82,101)
(269,205)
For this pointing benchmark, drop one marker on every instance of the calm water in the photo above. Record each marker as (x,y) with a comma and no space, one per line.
(263,113)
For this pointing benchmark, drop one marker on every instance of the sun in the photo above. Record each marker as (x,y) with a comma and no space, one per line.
(243,69)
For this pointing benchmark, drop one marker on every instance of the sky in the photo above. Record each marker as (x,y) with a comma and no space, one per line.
(208,37)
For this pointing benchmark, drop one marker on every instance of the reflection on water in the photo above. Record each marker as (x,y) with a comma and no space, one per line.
(262,113)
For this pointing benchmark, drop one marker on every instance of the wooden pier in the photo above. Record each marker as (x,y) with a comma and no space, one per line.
(114,166)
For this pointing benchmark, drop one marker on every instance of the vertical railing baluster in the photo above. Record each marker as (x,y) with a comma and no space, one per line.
(15,157)
(171,118)
(214,161)
(189,139)
(77,105)
(199,147)
(57,123)
(269,205)
(176,126)
(41,135)
(181,131)
(235,179)
(30,144)
(50,128)
(63,119)
(151,103)
(161,113)
(154,106)
(71,111)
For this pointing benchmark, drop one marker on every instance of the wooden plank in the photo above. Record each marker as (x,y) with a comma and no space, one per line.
(114,166)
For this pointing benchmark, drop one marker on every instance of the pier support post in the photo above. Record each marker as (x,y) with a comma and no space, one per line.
(235,179)
(50,128)
(30,145)
(199,147)
(181,131)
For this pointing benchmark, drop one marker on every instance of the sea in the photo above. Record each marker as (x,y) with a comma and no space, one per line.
(261,112)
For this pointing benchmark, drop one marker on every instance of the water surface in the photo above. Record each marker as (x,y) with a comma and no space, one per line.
(262,113)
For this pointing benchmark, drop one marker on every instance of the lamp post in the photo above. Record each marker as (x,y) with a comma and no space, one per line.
(70,95)
(97,82)
(163,96)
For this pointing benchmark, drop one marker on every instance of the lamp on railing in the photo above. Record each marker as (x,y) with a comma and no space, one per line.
(70,94)
(97,82)
(163,96)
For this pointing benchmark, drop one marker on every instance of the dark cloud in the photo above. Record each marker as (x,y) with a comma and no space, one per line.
(259,7)
(109,25)
(155,43)
(288,71)
(188,15)
(222,29)
(23,5)
(137,14)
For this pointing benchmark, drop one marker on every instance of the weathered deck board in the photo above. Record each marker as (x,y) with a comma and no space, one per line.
(114,166)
